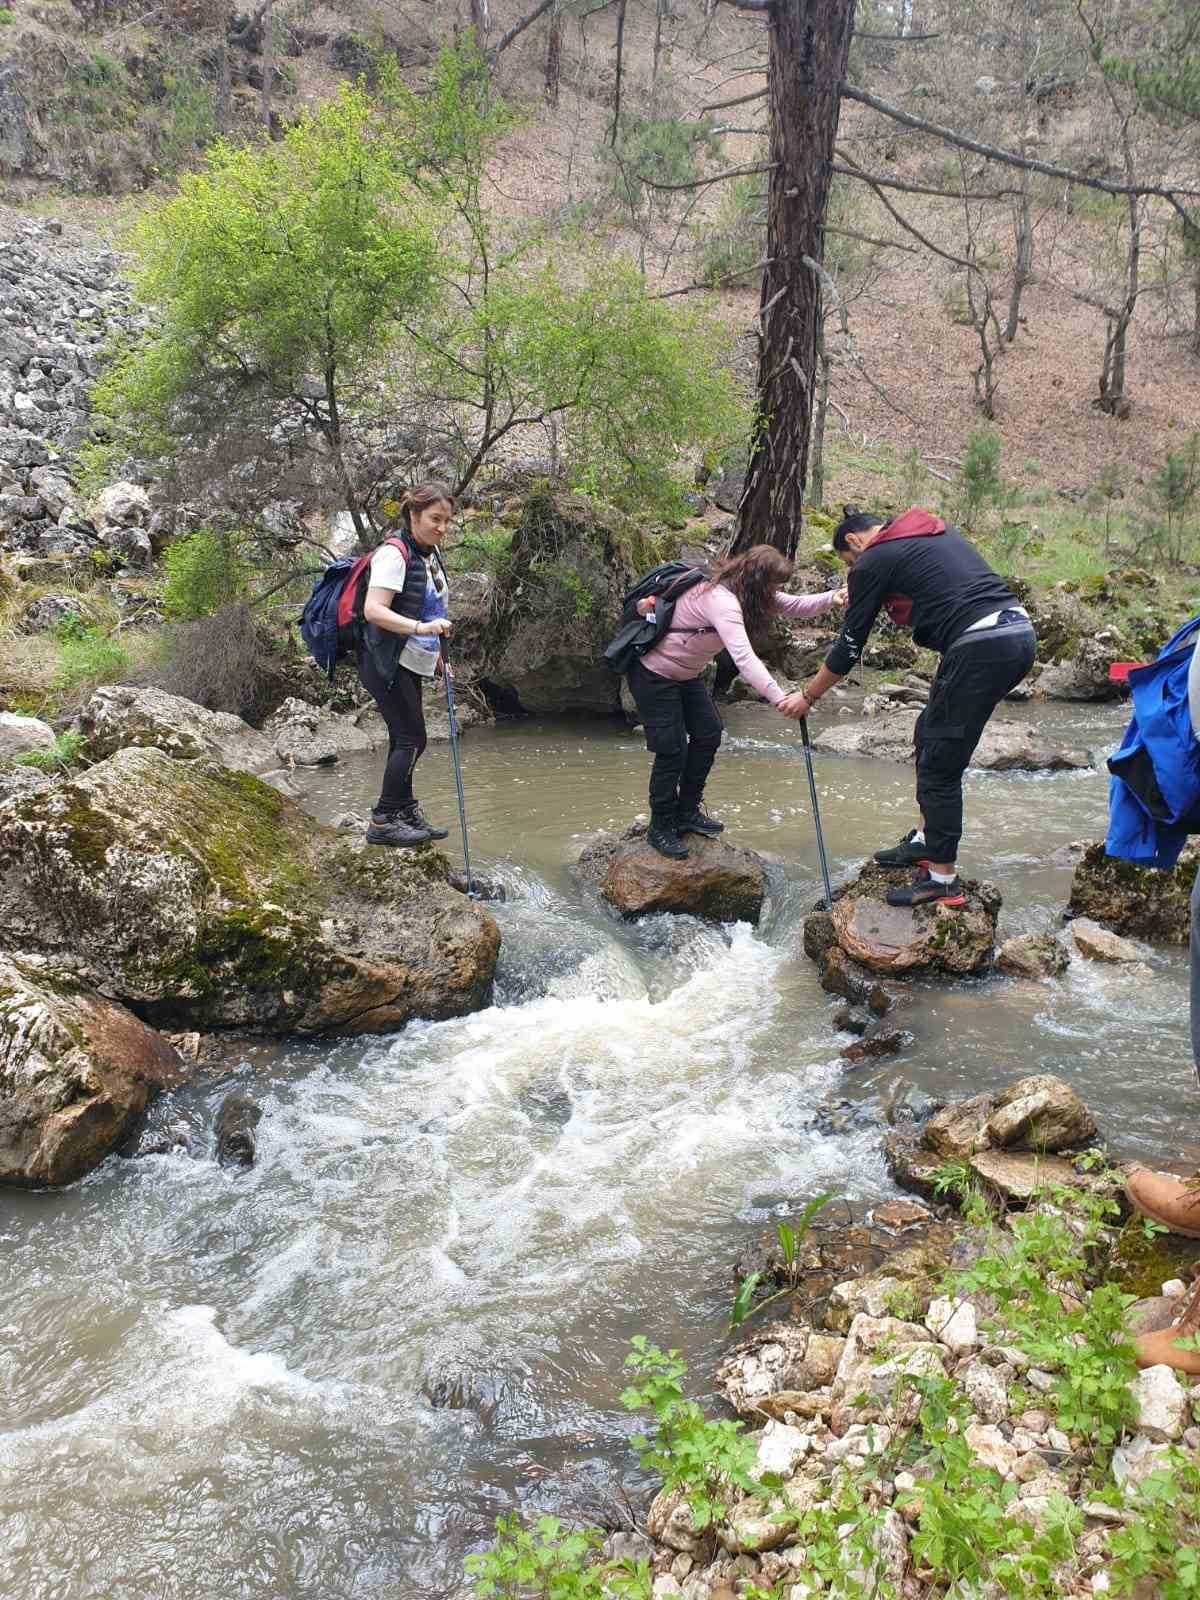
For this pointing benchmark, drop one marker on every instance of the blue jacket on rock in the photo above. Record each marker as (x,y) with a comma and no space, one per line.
(1154,792)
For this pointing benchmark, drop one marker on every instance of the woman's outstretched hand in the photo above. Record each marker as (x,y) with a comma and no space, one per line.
(794,706)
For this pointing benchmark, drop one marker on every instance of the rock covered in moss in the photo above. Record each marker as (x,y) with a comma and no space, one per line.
(1032,955)
(1138,902)
(119,716)
(204,899)
(955,940)
(76,1072)
(719,882)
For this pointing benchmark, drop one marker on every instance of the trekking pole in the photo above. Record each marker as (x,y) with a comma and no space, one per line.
(455,758)
(816,810)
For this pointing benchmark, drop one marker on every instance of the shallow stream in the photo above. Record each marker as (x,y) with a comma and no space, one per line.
(324,1378)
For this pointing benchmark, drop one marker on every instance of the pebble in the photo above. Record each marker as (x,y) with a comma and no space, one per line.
(1174,1289)
(1043,1382)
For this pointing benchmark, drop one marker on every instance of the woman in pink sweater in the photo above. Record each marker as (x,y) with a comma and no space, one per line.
(731,611)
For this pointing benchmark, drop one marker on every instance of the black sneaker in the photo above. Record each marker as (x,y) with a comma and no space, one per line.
(391,827)
(910,852)
(417,817)
(667,842)
(925,892)
(698,821)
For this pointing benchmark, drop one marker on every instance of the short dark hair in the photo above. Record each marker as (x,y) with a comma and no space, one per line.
(854,521)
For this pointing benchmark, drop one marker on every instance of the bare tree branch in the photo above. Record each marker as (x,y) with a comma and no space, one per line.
(897,38)
(742,100)
(1009,158)
(855,171)
(865,238)
(717,177)
(518,29)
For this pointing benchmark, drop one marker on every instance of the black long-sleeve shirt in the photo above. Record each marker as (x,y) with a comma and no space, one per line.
(948,582)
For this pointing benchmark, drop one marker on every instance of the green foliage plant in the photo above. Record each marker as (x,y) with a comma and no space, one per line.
(732,247)
(204,571)
(552,1562)
(7,16)
(979,476)
(64,753)
(1176,488)
(701,1457)
(280,272)
(1158,1548)
(633,385)
(790,1237)
(89,656)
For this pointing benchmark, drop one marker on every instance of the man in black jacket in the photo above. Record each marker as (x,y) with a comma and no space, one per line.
(928,577)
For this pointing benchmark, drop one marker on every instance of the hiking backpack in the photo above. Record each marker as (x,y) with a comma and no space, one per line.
(638,634)
(332,614)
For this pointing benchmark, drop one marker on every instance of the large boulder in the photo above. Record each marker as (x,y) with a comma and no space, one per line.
(1139,902)
(203,899)
(76,1071)
(1083,673)
(1006,746)
(19,735)
(717,881)
(558,607)
(956,940)
(1032,955)
(119,716)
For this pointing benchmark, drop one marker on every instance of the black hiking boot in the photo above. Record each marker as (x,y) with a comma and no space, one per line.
(414,815)
(667,842)
(925,892)
(697,821)
(393,827)
(910,852)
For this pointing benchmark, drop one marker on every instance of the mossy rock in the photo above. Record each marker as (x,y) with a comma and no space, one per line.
(1139,902)
(202,898)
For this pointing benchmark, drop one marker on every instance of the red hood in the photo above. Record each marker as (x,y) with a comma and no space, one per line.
(911,524)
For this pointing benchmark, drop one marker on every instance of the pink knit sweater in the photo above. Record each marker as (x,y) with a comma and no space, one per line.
(717,610)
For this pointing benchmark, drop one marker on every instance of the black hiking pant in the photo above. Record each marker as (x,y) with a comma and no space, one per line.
(400,706)
(976,672)
(683,730)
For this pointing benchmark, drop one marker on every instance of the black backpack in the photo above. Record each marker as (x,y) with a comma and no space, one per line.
(638,634)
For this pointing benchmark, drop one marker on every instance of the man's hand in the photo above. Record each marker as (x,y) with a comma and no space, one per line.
(794,706)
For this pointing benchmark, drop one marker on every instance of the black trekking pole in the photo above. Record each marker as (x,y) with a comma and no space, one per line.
(812,789)
(457,763)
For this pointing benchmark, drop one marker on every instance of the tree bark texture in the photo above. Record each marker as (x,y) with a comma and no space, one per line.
(809,41)
(481,21)
(268,63)
(616,122)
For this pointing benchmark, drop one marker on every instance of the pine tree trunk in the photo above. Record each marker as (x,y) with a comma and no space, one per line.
(481,21)
(554,55)
(809,44)
(616,122)
(1023,266)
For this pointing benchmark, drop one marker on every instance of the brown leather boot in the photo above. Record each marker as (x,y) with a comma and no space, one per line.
(1175,1202)
(1161,1350)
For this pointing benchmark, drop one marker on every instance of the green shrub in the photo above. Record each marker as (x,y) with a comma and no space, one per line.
(981,485)
(205,571)
(736,243)
(89,657)
(57,757)
(483,550)
(6,16)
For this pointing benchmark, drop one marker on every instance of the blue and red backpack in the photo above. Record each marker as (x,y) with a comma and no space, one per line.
(333,612)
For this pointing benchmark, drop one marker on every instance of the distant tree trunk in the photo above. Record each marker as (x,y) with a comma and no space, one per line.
(1196,315)
(1113,399)
(616,122)
(660,12)
(808,43)
(481,21)
(268,62)
(1023,266)
(554,55)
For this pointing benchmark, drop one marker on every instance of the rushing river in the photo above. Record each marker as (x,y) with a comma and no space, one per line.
(218,1385)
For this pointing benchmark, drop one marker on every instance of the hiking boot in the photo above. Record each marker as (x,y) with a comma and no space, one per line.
(414,815)
(925,892)
(697,821)
(1163,1350)
(1174,1202)
(392,827)
(910,852)
(667,842)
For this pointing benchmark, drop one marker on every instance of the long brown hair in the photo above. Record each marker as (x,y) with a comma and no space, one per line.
(753,577)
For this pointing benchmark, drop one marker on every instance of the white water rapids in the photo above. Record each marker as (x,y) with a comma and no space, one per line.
(324,1377)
